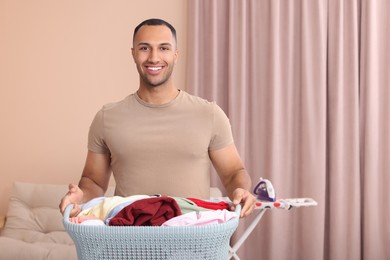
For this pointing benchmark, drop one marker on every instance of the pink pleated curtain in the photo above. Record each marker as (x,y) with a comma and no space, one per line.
(306,85)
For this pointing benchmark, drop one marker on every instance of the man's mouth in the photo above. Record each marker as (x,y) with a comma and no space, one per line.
(154,69)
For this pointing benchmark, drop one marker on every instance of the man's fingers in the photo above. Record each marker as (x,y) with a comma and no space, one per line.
(72,197)
(75,211)
(238,196)
(72,188)
(246,199)
(248,207)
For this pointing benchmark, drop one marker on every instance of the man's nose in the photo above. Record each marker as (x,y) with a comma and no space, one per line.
(153,56)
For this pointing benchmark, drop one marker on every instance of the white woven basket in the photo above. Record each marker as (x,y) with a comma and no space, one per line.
(209,242)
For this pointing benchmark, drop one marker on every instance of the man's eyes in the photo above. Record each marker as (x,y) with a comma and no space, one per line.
(145,48)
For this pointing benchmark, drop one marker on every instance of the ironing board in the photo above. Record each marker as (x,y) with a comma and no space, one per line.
(260,209)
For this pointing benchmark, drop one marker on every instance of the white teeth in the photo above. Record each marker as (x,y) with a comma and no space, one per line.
(154,68)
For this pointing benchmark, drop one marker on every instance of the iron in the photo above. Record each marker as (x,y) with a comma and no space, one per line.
(265,190)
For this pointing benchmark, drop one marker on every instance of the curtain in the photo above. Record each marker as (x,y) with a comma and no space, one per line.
(306,85)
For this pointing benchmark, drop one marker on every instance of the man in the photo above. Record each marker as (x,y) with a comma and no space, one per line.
(160,140)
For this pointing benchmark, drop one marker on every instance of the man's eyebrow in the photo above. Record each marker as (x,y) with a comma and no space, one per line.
(148,44)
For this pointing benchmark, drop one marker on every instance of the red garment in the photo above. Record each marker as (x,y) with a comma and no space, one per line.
(147,212)
(210,204)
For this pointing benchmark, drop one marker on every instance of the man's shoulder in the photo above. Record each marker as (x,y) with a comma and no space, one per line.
(190,98)
(117,104)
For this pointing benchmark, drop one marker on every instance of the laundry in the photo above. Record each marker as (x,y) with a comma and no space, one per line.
(187,206)
(102,206)
(147,212)
(138,210)
(93,222)
(214,205)
(201,218)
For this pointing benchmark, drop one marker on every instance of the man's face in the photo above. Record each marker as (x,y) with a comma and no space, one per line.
(155,54)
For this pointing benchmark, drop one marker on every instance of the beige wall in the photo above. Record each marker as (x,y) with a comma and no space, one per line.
(60,61)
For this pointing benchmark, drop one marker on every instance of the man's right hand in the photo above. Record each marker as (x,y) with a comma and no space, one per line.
(73,196)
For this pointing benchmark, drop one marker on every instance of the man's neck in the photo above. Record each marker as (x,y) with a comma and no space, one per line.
(158,95)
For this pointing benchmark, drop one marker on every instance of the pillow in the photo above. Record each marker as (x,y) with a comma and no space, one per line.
(33,227)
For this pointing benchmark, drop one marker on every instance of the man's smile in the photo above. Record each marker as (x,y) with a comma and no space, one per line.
(154,69)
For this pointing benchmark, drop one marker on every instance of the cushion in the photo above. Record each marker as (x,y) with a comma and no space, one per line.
(16,249)
(33,227)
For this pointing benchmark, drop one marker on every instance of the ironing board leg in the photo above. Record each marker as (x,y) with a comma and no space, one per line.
(236,246)
(234,256)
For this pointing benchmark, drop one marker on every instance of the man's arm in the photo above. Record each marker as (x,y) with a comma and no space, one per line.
(234,177)
(96,175)
(93,183)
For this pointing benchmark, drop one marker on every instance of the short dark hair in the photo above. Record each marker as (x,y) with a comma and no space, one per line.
(156,21)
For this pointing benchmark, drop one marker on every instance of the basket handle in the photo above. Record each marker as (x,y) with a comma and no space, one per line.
(67,211)
(238,209)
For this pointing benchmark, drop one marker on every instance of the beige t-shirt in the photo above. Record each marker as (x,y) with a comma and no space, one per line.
(160,149)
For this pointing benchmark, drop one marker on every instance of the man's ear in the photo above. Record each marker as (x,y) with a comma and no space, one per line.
(132,53)
(176,55)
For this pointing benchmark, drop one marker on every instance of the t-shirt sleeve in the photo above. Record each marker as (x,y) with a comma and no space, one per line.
(96,141)
(222,131)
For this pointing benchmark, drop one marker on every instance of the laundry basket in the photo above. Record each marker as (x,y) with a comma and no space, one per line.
(209,242)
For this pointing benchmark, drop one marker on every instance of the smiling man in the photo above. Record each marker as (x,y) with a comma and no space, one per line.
(160,140)
(156,58)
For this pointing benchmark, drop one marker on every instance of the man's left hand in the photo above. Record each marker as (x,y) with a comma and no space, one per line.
(246,199)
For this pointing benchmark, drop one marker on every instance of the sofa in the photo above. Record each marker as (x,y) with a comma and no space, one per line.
(33,226)
(33,229)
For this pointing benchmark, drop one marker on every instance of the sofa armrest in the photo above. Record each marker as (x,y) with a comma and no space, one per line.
(2,222)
